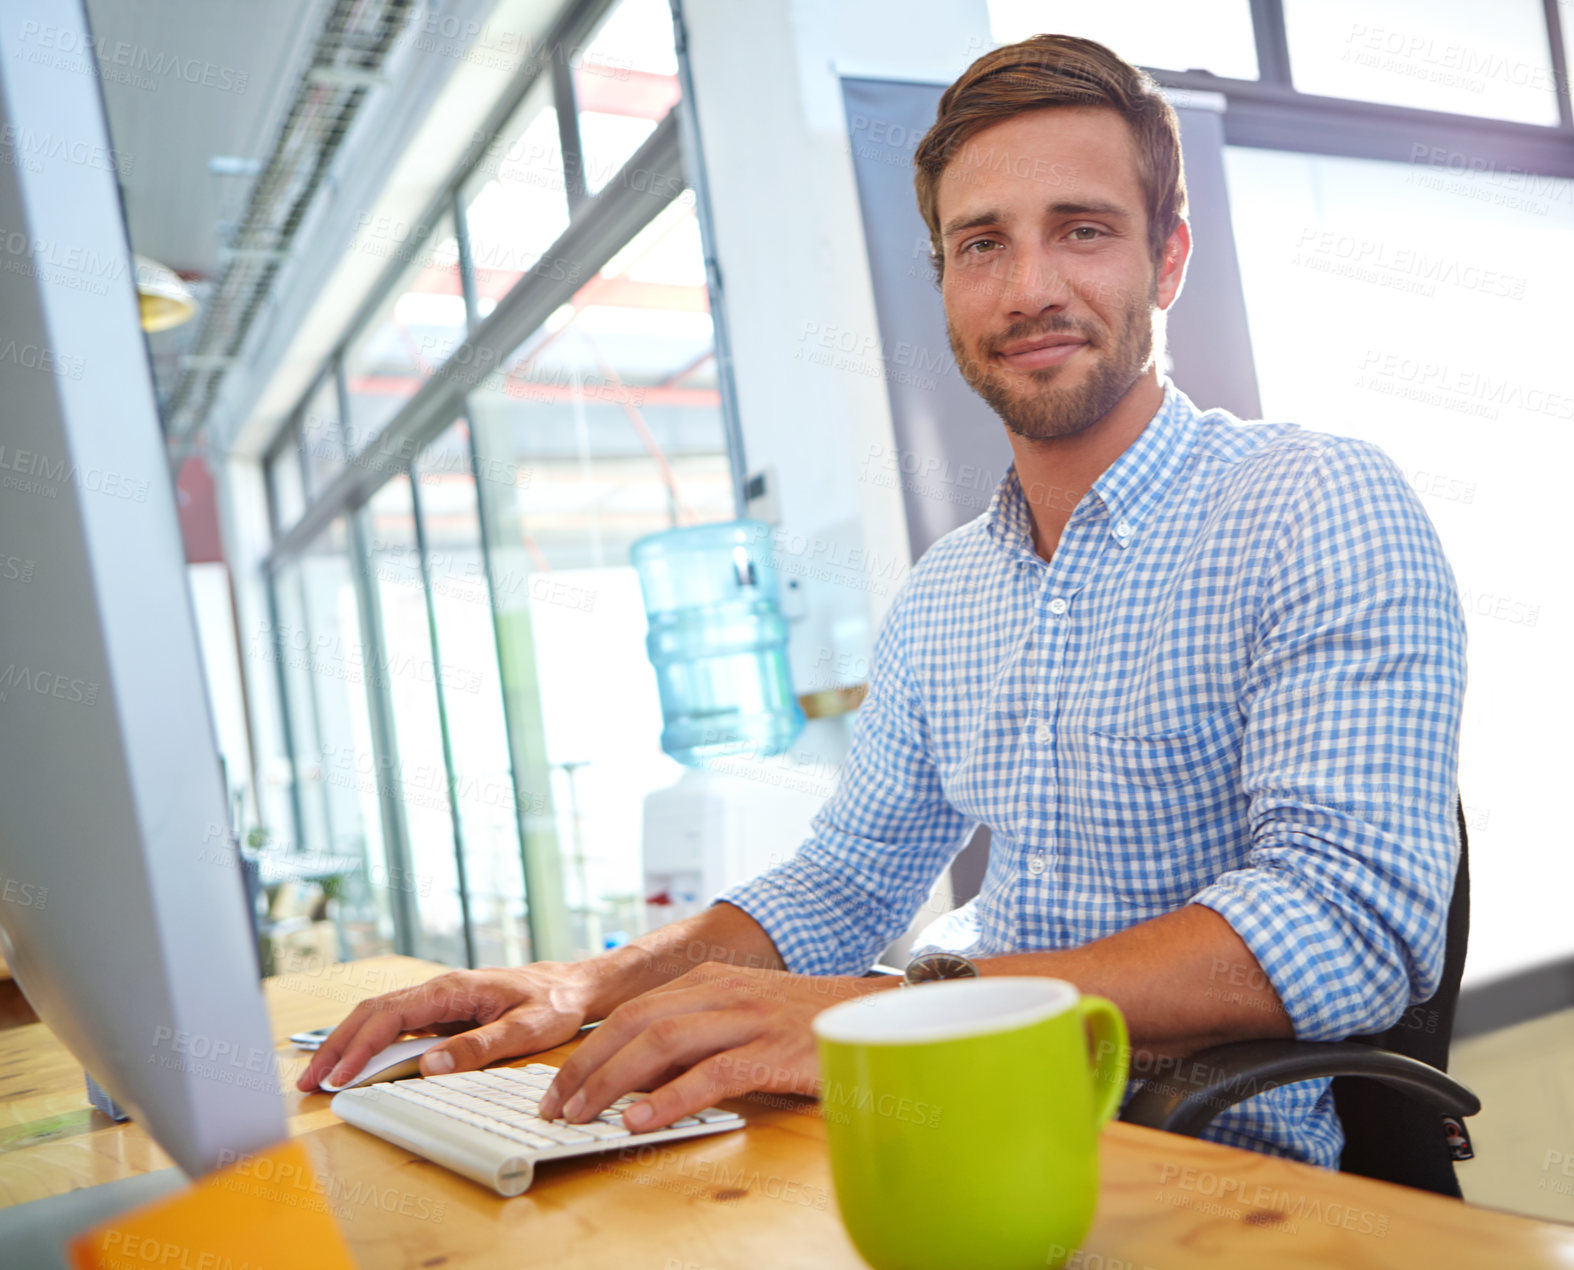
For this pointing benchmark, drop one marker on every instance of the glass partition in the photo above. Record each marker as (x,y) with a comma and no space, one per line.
(625,81)
(324,668)
(322,437)
(490,808)
(412,677)
(286,488)
(516,205)
(482,622)
(602,426)
(414,329)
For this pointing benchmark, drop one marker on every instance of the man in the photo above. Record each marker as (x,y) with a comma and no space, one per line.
(1202,680)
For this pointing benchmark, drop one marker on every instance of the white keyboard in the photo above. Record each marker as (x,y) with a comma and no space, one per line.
(485,1125)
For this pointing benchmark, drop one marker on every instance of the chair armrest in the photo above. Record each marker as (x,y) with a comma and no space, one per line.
(1214,1079)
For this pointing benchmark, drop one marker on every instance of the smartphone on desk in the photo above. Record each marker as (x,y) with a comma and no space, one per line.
(313,1040)
(310,1040)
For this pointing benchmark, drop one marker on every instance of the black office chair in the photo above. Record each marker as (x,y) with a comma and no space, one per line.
(1403,1118)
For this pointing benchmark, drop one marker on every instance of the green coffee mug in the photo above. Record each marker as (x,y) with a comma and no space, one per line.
(963,1119)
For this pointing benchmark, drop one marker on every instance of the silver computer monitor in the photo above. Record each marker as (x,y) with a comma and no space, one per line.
(121,908)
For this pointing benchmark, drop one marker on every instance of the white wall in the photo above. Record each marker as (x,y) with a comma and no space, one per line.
(790,242)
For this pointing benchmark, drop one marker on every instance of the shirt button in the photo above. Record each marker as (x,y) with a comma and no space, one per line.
(1035,863)
(1123,530)
(1041,734)
(1057,606)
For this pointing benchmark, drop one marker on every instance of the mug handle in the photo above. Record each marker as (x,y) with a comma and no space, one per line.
(1111,1053)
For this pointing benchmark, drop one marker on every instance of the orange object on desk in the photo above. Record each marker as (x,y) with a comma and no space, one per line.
(266,1209)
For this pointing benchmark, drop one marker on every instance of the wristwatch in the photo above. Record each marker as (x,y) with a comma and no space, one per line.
(931,967)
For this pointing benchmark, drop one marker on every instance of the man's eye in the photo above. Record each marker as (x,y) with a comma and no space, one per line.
(1087,229)
(976,243)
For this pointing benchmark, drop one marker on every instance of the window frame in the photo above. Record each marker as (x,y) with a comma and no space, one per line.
(598,229)
(1270,113)
(655,175)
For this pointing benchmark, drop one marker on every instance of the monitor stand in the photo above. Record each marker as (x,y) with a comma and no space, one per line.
(35,1234)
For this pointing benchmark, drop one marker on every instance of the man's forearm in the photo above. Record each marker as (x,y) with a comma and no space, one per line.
(1184,981)
(723,932)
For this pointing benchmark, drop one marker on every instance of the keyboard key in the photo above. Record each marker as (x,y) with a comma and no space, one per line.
(448,1097)
(604,1130)
(560,1132)
(419,1098)
(523,1136)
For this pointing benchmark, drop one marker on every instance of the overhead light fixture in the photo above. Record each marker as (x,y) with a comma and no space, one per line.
(166,301)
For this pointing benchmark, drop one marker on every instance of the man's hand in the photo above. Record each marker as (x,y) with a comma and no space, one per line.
(516,1011)
(713,1033)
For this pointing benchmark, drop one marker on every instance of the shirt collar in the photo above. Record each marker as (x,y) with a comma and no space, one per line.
(1130,488)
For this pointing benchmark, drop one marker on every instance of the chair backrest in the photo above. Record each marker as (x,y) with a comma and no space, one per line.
(1387,1135)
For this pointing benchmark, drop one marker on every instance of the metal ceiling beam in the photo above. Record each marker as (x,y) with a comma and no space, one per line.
(355,42)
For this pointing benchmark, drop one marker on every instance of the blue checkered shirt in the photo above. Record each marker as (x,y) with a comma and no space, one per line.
(1237,683)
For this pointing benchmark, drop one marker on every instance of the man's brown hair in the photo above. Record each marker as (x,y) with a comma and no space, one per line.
(1058,70)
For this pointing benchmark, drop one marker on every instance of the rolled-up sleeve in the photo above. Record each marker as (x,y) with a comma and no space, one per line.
(1350,753)
(878,844)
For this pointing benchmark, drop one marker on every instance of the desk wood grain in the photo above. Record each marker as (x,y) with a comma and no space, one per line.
(759,1198)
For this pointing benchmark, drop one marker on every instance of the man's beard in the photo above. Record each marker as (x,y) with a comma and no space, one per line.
(1044,410)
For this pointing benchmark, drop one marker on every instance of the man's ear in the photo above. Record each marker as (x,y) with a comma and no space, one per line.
(1172,273)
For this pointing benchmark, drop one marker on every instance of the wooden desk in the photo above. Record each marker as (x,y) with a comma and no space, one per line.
(758,1198)
(14,1009)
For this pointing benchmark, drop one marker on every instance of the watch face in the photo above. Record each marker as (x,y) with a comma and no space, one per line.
(940,965)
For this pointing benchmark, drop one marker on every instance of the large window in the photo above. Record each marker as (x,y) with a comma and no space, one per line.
(1211,35)
(1464,56)
(607,417)
(286,482)
(487,806)
(602,426)
(414,681)
(625,82)
(324,663)
(417,326)
(1424,310)
(322,437)
(516,201)
(487,767)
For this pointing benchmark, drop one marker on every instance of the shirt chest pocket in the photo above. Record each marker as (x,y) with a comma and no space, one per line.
(1166,811)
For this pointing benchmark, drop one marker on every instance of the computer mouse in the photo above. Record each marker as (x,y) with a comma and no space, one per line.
(398,1061)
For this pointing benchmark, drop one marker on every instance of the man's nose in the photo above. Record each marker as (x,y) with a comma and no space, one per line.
(1035,285)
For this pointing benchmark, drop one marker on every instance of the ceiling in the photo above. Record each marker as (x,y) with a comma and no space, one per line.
(186,81)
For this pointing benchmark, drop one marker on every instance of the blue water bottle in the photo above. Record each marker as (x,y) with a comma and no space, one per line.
(718,641)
